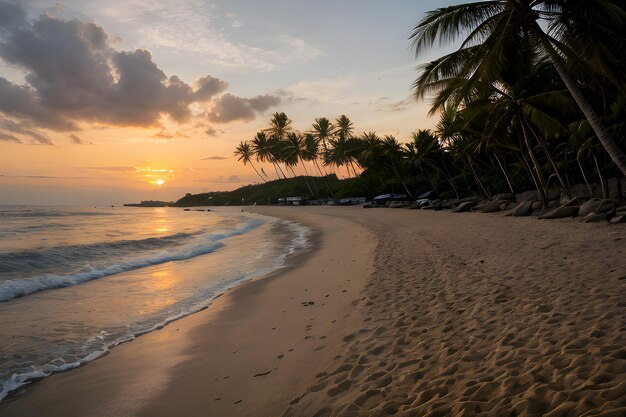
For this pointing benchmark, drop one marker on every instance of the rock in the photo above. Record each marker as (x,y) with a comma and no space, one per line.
(620,211)
(504,206)
(536,205)
(619,219)
(615,192)
(594,217)
(523,209)
(598,206)
(561,212)
(505,196)
(588,206)
(491,206)
(466,206)
(527,195)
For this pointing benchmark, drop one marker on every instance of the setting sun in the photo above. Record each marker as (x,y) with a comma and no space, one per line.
(159,182)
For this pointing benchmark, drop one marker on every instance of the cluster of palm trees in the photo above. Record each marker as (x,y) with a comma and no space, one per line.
(535,90)
(533,97)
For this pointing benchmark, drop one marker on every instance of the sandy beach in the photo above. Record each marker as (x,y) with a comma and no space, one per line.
(392,312)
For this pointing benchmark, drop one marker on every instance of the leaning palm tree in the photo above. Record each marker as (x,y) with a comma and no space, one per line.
(498,29)
(244,153)
(264,149)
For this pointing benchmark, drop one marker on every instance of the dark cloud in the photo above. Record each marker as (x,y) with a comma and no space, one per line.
(74,75)
(214,158)
(77,140)
(6,137)
(208,87)
(229,108)
(9,127)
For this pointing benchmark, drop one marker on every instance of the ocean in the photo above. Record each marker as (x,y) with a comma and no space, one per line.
(75,282)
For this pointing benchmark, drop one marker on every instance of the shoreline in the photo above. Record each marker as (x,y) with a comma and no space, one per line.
(110,377)
(472,314)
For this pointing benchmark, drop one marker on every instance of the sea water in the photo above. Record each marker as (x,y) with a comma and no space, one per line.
(75,282)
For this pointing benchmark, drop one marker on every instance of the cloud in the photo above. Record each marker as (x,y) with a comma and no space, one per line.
(399,105)
(73,75)
(113,169)
(6,137)
(77,140)
(209,87)
(229,108)
(202,29)
(23,129)
(214,158)
(233,179)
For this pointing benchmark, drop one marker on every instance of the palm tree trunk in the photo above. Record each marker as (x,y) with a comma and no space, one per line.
(323,178)
(257,172)
(616,154)
(602,185)
(306,171)
(401,180)
(582,170)
(539,174)
(478,181)
(547,153)
(276,169)
(506,175)
(535,173)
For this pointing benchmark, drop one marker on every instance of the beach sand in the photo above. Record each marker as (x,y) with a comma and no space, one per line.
(415,313)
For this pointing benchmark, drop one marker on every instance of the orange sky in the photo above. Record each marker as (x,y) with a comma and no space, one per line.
(164,114)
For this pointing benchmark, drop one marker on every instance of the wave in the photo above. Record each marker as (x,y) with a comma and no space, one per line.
(63,256)
(52,213)
(15,288)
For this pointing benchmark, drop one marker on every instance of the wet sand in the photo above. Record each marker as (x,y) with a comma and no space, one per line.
(413,313)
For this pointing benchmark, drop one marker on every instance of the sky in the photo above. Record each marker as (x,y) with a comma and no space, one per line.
(127,100)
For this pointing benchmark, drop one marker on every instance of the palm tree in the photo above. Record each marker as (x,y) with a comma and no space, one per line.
(344,127)
(244,153)
(392,151)
(295,152)
(265,150)
(280,125)
(499,29)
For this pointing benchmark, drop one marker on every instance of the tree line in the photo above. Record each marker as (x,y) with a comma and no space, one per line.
(532,98)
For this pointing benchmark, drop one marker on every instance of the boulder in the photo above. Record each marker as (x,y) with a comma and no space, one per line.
(596,205)
(594,217)
(527,195)
(466,206)
(523,209)
(561,212)
(491,206)
(505,196)
(588,206)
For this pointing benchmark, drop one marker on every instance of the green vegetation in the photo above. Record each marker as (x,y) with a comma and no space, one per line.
(533,98)
(271,191)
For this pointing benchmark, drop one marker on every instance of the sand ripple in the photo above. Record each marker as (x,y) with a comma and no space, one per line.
(476,315)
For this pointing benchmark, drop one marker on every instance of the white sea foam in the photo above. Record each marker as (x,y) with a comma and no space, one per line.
(98,342)
(11,289)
